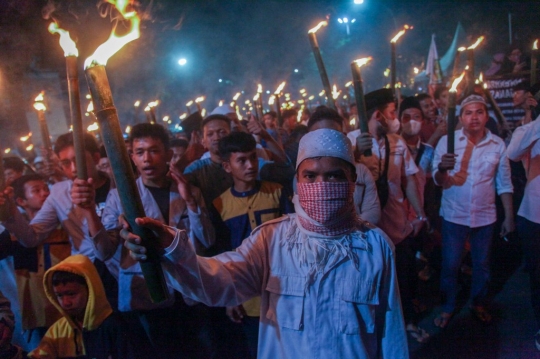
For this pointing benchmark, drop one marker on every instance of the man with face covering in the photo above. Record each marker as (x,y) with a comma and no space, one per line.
(327,281)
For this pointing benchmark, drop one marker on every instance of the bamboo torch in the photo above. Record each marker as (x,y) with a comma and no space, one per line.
(451,122)
(320,64)
(534,63)
(198,101)
(470,63)
(359,96)
(260,100)
(71,53)
(277,101)
(393,56)
(137,106)
(44,129)
(113,140)
(457,60)
(496,109)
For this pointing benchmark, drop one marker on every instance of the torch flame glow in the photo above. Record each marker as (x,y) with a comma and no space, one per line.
(348,84)
(137,103)
(256,97)
(199,99)
(29,148)
(271,100)
(66,43)
(400,33)
(25,138)
(335,92)
(153,103)
(462,48)
(280,88)
(316,28)
(363,61)
(311,97)
(90,107)
(165,118)
(259,88)
(478,41)
(7,150)
(220,103)
(481,77)
(182,116)
(236,96)
(115,43)
(189,103)
(38,102)
(93,127)
(535,45)
(147,109)
(456,83)
(321,93)
(128,129)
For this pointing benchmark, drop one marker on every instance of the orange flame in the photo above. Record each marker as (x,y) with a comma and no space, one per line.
(478,41)
(153,103)
(256,97)
(271,100)
(456,83)
(189,103)
(115,43)
(462,48)
(280,88)
(137,103)
(199,99)
(236,96)
(400,33)
(335,92)
(363,61)
(38,102)
(535,45)
(316,28)
(259,88)
(66,43)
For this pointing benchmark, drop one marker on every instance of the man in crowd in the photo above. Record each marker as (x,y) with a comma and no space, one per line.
(433,127)
(470,177)
(523,98)
(525,147)
(172,202)
(304,267)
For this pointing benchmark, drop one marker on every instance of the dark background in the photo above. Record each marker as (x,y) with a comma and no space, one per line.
(241,42)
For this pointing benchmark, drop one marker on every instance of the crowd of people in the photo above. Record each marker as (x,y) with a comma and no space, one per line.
(286,236)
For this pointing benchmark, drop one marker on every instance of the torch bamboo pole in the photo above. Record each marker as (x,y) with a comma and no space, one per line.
(278,109)
(360,101)
(393,66)
(451,122)
(76,117)
(322,70)
(111,134)
(4,214)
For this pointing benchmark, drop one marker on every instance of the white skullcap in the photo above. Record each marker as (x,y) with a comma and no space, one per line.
(223,110)
(325,143)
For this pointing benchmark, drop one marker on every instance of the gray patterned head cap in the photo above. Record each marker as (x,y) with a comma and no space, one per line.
(325,143)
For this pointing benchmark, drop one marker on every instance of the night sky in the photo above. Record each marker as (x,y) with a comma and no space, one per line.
(240,42)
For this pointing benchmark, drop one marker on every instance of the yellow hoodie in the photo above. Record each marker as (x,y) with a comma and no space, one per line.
(64,339)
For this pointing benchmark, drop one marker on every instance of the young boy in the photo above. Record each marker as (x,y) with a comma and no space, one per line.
(243,207)
(88,328)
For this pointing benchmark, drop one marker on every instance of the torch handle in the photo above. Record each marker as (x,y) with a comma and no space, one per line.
(451,128)
(393,66)
(360,101)
(278,109)
(322,70)
(111,134)
(45,136)
(76,117)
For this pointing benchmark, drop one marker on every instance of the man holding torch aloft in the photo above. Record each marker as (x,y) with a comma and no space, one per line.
(470,177)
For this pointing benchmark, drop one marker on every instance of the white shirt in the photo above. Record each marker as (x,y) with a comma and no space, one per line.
(469,191)
(345,310)
(525,146)
(394,220)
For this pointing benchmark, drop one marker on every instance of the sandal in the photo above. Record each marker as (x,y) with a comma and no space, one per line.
(442,319)
(481,314)
(417,333)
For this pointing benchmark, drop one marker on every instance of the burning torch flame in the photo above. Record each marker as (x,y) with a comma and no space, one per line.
(462,48)
(299,117)
(182,116)
(7,150)
(456,83)
(256,97)
(189,103)
(481,77)
(128,129)
(400,33)
(115,43)
(90,107)
(147,108)
(321,93)
(153,103)
(25,138)
(363,61)
(259,88)
(66,43)
(311,97)
(38,102)
(316,28)
(478,41)
(335,92)
(535,45)
(236,96)
(220,103)
(271,100)
(29,148)
(280,88)
(137,103)
(165,118)
(93,127)
(348,84)
(199,99)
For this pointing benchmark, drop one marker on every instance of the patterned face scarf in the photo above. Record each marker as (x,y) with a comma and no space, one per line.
(329,207)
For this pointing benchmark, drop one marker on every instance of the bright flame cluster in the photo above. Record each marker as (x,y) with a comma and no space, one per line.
(316,28)
(478,41)
(38,102)
(400,33)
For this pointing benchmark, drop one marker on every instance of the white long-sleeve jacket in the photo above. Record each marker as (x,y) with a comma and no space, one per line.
(320,297)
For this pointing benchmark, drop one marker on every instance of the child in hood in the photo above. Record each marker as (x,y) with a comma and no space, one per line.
(88,327)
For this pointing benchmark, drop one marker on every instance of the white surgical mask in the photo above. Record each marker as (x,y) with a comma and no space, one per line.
(393,125)
(412,128)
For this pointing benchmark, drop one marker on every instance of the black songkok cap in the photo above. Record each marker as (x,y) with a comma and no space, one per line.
(378,98)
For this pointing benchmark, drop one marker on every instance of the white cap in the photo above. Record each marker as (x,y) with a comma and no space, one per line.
(325,143)
(223,110)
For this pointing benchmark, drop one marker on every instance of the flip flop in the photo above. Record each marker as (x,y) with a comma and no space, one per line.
(417,333)
(442,320)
